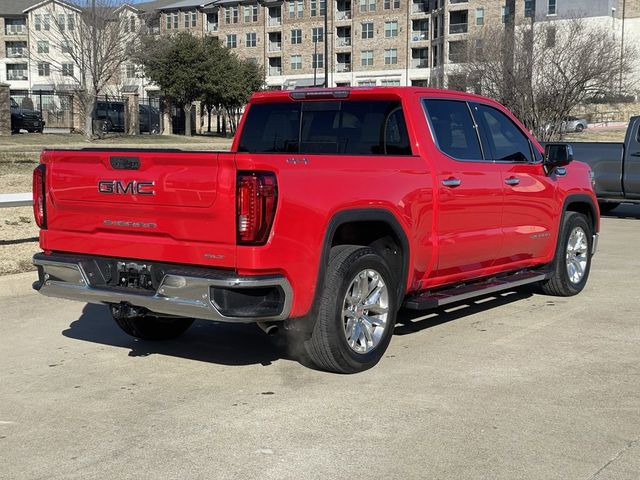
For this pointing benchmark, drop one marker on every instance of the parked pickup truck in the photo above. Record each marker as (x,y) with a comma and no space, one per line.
(333,209)
(616,167)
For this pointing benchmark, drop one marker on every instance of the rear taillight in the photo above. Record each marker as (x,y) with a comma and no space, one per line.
(257,196)
(39,200)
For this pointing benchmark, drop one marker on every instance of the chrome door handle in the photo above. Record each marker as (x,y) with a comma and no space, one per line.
(512,181)
(451,182)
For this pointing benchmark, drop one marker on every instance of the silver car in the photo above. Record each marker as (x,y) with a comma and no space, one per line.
(574,124)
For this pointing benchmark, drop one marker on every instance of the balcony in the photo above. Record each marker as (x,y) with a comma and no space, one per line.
(343,41)
(419,36)
(15,29)
(275,46)
(458,28)
(343,67)
(342,16)
(17,75)
(420,7)
(212,27)
(419,63)
(275,71)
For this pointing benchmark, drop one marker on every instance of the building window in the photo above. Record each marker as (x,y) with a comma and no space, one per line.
(296,62)
(46,22)
(43,46)
(67,69)
(61,22)
(37,22)
(479,16)
(389,4)
(250,39)
(130,71)
(551,7)
(231,40)
(505,13)
(317,60)
(71,22)
(366,58)
(250,13)
(391,56)
(132,23)
(390,83)
(528,8)
(65,46)
(44,69)
(367,6)
(318,7)
(366,83)
(390,29)
(296,8)
(175,20)
(317,35)
(367,30)
(296,36)
(231,15)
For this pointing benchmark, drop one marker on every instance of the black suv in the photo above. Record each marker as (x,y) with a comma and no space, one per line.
(25,119)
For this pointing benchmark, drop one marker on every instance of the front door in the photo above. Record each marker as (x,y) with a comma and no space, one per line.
(528,219)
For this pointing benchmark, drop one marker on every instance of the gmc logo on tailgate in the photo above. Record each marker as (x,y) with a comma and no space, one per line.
(117,187)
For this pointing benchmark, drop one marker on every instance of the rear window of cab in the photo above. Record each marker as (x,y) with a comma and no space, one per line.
(347,127)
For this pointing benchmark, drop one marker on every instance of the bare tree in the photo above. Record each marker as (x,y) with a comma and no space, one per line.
(84,48)
(543,70)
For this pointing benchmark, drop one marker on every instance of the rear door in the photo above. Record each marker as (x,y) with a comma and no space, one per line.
(469,222)
(172,206)
(529,194)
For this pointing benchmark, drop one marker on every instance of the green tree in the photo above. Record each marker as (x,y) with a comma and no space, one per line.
(178,65)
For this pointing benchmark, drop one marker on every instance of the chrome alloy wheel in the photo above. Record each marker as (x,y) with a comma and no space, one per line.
(365,309)
(577,252)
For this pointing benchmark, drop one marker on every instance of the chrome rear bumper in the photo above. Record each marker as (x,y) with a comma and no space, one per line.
(180,293)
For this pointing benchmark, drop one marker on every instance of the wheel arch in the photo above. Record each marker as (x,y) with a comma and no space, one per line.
(584,204)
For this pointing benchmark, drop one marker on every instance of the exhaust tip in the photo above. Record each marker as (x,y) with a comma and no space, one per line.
(269,328)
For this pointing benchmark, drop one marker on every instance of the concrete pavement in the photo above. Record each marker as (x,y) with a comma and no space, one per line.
(520,386)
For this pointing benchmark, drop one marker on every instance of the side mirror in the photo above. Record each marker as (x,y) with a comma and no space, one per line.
(557,155)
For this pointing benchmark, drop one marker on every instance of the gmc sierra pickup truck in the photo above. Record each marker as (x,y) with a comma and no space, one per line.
(616,167)
(333,209)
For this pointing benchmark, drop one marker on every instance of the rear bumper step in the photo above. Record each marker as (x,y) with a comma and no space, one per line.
(195,293)
(430,300)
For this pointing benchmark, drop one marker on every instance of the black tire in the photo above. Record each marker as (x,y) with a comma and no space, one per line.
(607,207)
(149,327)
(560,283)
(579,128)
(328,348)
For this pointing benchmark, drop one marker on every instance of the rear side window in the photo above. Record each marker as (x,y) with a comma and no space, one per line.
(506,140)
(453,128)
(331,127)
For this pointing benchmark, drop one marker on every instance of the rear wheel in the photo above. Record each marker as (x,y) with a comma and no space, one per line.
(579,128)
(357,312)
(572,261)
(150,327)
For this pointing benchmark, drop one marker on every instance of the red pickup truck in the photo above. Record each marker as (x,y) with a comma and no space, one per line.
(333,209)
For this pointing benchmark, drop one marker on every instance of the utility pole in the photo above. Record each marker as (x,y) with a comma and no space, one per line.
(326,43)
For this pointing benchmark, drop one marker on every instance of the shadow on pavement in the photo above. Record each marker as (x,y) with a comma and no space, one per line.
(205,341)
(411,321)
(238,344)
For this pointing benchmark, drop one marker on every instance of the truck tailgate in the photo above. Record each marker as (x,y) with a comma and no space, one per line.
(172,206)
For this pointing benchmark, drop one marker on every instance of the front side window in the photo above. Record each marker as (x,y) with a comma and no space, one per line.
(506,140)
(453,128)
(328,127)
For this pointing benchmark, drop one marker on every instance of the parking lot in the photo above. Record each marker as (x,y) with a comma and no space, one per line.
(517,386)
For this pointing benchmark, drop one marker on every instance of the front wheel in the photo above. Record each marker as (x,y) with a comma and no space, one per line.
(572,262)
(150,327)
(357,311)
